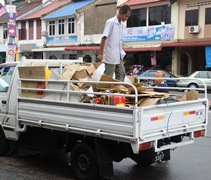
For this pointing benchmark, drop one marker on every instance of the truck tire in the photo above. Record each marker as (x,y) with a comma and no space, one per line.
(4,144)
(84,163)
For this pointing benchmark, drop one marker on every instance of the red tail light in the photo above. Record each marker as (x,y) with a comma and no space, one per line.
(199,133)
(145,146)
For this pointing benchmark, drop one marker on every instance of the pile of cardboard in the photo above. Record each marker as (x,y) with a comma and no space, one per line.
(84,90)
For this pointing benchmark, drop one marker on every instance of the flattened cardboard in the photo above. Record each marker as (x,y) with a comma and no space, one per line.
(84,71)
(97,64)
(90,69)
(108,79)
(79,74)
(70,71)
(148,101)
(133,79)
(35,72)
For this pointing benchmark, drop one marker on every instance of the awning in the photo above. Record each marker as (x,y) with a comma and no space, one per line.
(97,48)
(67,10)
(187,44)
(142,49)
(142,2)
(48,49)
(128,49)
(82,48)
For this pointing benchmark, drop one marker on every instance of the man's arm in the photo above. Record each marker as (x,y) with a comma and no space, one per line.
(102,45)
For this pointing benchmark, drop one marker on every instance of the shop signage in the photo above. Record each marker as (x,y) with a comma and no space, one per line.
(11,20)
(149,33)
(11,52)
(208,56)
(61,41)
(27,47)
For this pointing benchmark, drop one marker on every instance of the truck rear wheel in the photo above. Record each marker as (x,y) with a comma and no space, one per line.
(84,162)
(4,144)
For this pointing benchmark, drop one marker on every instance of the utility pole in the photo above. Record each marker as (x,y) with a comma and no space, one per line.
(11,31)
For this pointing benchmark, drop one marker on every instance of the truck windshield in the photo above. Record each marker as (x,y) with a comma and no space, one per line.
(5,78)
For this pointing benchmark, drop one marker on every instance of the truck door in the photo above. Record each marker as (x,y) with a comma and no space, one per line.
(5,79)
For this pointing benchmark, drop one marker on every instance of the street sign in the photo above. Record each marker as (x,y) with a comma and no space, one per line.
(11,20)
(11,51)
(11,31)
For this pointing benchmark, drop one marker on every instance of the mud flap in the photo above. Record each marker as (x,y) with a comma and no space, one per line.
(148,157)
(104,158)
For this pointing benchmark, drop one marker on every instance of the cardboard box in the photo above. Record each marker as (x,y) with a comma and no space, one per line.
(133,79)
(34,72)
(191,95)
(70,71)
(84,71)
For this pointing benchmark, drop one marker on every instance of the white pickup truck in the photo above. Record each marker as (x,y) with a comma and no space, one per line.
(94,134)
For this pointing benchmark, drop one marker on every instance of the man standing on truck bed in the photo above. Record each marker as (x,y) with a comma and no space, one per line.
(111,52)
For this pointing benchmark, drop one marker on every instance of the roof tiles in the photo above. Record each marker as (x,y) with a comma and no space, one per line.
(142,2)
(68,10)
(43,9)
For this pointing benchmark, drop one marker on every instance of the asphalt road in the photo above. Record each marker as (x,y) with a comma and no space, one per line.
(191,162)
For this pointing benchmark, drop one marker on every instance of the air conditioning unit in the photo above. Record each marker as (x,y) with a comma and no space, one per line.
(194,29)
(44,33)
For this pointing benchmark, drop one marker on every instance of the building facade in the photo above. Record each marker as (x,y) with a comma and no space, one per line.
(152,44)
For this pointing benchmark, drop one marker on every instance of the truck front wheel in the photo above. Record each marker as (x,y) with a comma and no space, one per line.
(84,162)
(4,144)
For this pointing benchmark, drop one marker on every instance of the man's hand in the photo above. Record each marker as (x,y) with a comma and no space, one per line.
(100,57)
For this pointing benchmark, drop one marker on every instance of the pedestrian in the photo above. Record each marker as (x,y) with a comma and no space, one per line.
(159,82)
(111,52)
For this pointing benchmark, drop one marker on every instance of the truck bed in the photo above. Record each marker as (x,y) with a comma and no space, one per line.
(133,125)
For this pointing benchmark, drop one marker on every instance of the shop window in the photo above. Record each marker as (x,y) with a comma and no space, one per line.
(71,26)
(22,34)
(191,18)
(159,14)
(72,56)
(52,28)
(137,18)
(61,27)
(39,28)
(207,16)
(31,30)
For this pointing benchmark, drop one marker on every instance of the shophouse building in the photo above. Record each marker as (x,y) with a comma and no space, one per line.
(30,28)
(163,33)
(83,29)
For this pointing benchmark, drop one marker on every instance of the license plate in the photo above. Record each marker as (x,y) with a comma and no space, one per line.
(162,155)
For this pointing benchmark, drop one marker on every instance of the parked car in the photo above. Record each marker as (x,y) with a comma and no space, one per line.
(193,83)
(150,73)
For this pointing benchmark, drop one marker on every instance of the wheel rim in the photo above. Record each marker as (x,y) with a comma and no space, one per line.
(84,162)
